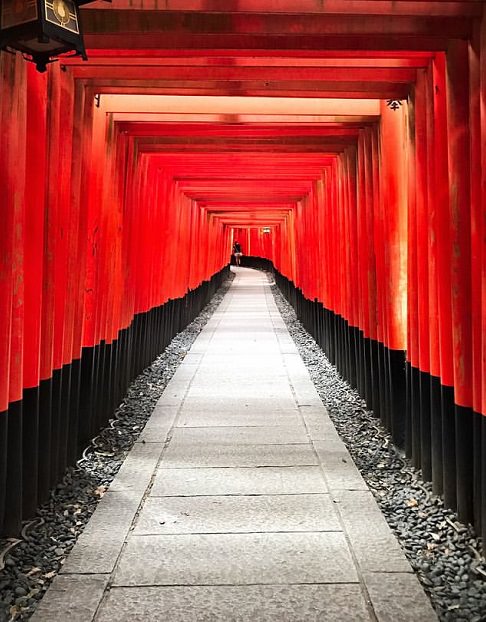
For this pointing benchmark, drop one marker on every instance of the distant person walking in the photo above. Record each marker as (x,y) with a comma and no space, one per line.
(237,252)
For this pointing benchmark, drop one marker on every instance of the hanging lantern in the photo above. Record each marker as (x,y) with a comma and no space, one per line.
(41,29)
(394,104)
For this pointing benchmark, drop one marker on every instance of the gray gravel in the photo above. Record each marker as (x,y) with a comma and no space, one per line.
(27,569)
(444,553)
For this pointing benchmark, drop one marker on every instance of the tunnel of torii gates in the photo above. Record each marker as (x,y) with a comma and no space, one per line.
(125,180)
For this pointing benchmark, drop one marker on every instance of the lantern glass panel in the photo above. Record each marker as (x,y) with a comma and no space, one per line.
(62,13)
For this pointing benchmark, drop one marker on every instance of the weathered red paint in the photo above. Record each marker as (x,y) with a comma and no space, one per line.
(460,216)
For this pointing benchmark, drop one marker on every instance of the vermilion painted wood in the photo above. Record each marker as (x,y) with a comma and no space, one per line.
(61,165)
(187,28)
(366,7)
(394,197)
(16,203)
(477,208)
(432,217)
(460,217)
(483,217)
(370,237)
(420,42)
(412,279)
(34,222)
(80,189)
(378,238)
(363,242)
(92,241)
(75,261)
(12,81)
(51,230)
(441,201)
(421,245)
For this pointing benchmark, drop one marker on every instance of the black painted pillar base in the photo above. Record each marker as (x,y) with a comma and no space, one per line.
(464,462)
(372,378)
(73,412)
(30,451)
(13,494)
(86,395)
(449,446)
(397,396)
(3,464)
(56,383)
(409,434)
(482,527)
(369,380)
(415,412)
(436,438)
(45,439)
(478,500)
(425,426)
(64,416)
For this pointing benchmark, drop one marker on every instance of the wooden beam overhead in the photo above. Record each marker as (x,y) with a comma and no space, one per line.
(357,7)
(177,25)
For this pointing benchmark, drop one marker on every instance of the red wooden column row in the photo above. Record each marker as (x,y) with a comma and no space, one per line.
(12,165)
(414,252)
(89,235)
(481,369)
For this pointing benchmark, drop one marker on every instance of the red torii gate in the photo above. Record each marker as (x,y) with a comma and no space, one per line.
(377,216)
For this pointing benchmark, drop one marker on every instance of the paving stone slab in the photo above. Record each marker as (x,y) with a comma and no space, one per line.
(99,546)
(194,418)
(239,481)
(307,398)
(163,413)
(242,405)
(319,425)
(171,399)
(187,369)
(398,597)
(302,385)
(175,391)
(237,514)
(194,455)
(236,559)
(192,358)
(272,391)
(159,424)
(270,361)
(237,375)
(73,598)
(232,344)
(268,603)
(154,434)
(263,435)
(372,540)
(236,331)
(138,468)
(294,361)
(287,347)
(340,471)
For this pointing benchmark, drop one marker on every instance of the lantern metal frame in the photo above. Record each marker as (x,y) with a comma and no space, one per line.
(42,30)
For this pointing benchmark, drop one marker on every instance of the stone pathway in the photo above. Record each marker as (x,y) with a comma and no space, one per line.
(239,502)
